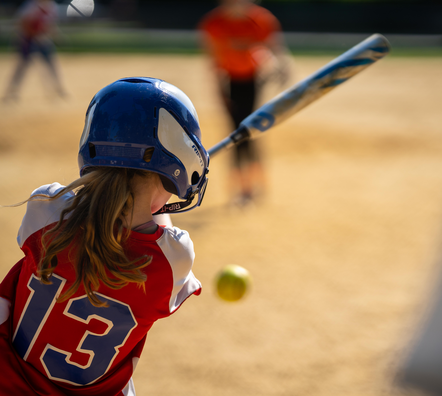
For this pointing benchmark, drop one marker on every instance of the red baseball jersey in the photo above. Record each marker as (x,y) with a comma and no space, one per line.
(73,347)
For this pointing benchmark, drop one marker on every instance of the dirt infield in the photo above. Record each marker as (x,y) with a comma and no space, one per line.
(341,251)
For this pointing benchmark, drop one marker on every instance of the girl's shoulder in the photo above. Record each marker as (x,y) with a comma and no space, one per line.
(41,211)
(177,245)
(48,189)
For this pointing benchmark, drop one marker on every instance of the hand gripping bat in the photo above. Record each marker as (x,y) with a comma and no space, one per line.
(308,90)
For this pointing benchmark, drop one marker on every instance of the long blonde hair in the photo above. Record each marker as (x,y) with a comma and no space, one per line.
(95,228)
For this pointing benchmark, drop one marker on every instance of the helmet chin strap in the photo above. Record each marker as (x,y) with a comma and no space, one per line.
(175,206)
(178,206)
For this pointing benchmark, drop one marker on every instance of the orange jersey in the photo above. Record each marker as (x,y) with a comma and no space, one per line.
(236,42)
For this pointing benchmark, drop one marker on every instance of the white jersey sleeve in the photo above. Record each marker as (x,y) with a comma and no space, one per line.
(40,213)
(178,249)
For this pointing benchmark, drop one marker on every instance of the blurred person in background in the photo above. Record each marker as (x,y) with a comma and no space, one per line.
(242,39)
(36,30)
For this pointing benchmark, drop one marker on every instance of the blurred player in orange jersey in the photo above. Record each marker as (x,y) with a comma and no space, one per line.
(241,37)
(37,25)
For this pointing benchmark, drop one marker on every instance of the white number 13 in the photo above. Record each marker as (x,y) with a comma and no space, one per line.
(101,348)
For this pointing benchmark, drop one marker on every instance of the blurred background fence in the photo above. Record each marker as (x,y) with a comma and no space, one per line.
(414,27)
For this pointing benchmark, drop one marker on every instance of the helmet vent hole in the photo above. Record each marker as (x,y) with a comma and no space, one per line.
(195,178)
(173,115)
(154,112)
(155,132)
(148,154)
(92,150)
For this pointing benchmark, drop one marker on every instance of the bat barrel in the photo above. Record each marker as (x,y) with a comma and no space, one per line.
(308,90)
(318,84)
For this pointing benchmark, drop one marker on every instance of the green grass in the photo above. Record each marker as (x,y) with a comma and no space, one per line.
(124,49)
(127,41)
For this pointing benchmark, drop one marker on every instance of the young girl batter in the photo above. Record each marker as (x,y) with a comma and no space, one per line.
(98,271)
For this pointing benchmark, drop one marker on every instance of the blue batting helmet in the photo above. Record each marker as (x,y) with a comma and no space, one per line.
(147,124)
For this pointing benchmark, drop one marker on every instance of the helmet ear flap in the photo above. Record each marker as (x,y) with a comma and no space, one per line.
(168,185)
